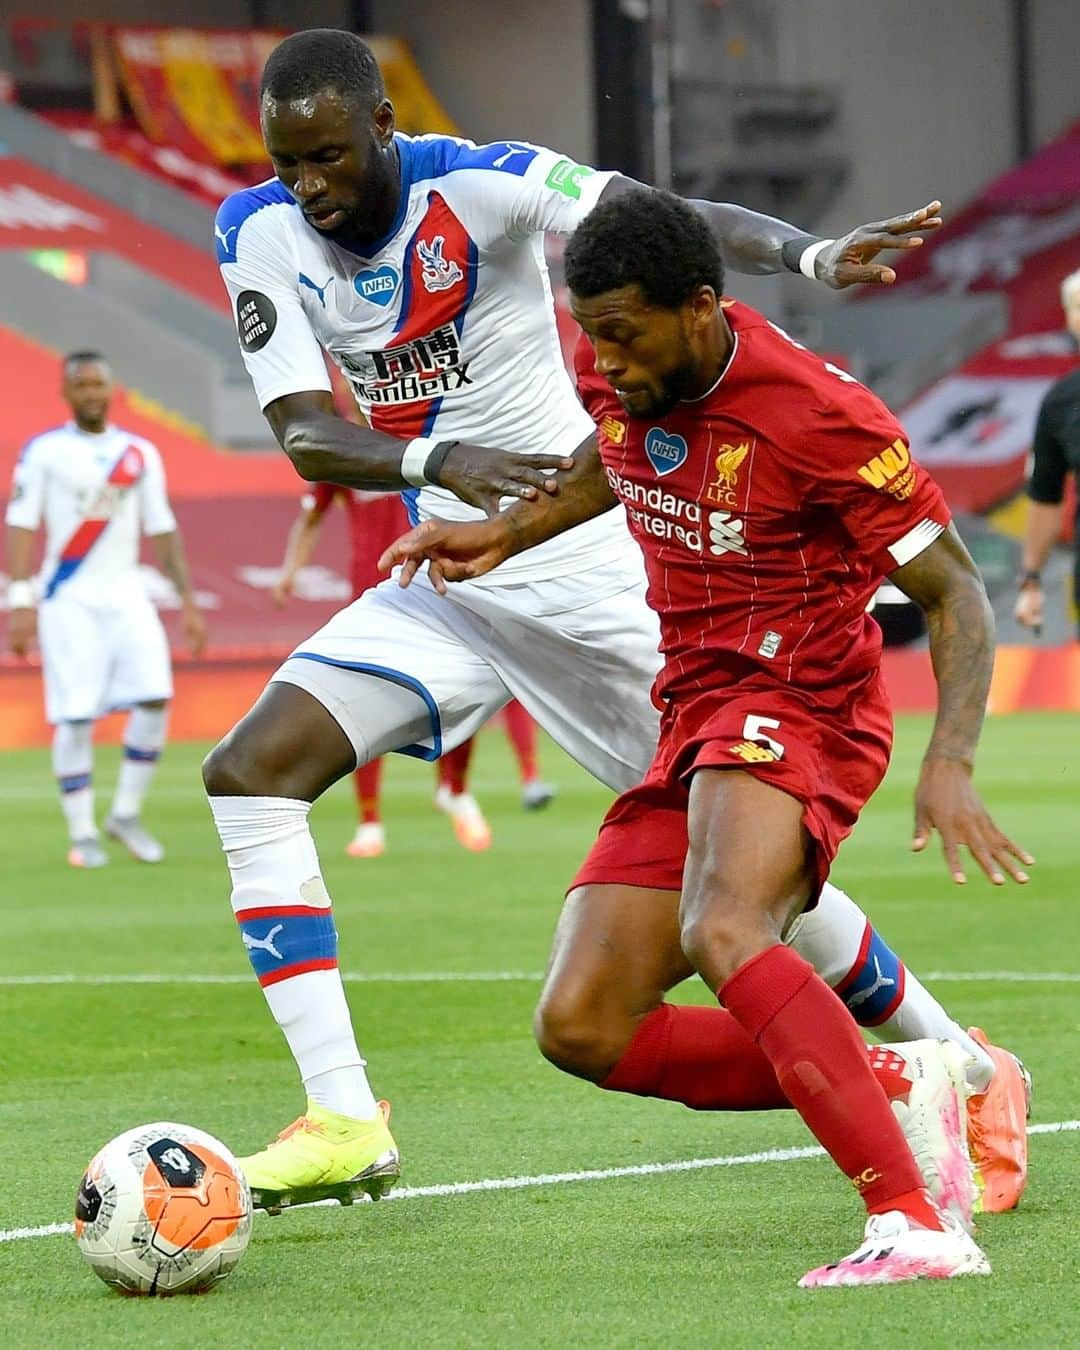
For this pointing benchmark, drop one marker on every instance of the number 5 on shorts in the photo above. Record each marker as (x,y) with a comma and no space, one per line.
(753,730)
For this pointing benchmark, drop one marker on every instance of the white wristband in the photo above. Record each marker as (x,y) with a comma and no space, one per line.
(415,457)
(808,257)
(20,595)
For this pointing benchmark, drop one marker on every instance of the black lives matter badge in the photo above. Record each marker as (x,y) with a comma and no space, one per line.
(256,319)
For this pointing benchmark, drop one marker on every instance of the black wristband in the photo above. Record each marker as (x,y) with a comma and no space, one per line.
(434,462)
(1029,578)
(793,249)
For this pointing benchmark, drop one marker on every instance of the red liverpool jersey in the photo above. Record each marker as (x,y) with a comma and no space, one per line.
(375,521)
(768,511)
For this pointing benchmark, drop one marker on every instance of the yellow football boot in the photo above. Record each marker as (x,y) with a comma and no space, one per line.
(324,1156)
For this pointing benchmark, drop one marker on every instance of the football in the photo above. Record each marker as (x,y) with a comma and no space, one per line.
(163,1209)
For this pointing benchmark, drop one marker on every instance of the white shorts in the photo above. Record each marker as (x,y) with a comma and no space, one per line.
(580,653)
(99,659)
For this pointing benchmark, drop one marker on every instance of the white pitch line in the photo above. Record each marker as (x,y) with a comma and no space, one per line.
(772,1155)
(349,976)
(484,977)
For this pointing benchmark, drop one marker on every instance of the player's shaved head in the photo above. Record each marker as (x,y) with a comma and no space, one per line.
(647,238)
(319,59)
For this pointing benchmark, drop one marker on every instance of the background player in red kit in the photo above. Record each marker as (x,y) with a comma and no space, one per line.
(376,519)
(746,467)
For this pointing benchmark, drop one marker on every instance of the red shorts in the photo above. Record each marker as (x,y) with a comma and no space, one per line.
(829,749)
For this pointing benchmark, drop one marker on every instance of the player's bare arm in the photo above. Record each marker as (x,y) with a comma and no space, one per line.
(300,545)
(758,244)
(169,551)
(325,448)
(1043,531)
(22,618)
(945,583)
(458,551)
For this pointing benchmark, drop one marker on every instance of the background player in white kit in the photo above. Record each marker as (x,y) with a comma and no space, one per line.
(418,265)
(96,487)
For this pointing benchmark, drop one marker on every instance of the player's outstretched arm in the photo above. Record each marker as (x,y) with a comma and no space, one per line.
(325,448)
(757,244)
(946,584)
(458,551)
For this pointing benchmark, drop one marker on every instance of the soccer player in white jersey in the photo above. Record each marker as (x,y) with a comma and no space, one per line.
(418,265)
(96,487)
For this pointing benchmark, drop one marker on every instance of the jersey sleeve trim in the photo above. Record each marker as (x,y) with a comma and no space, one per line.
(237,208)
(917,540)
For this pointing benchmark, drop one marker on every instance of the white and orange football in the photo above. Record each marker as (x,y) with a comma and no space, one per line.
(163,1209)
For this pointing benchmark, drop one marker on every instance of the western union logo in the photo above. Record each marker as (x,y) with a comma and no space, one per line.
(613,429)
(883,468)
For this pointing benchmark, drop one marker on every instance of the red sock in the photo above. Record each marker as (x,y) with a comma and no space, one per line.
(703,1058)
(522,732)
(454,767)
(821,1063)
(366,780)
(700,1057)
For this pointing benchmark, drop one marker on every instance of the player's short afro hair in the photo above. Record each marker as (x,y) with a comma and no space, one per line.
(83,357)
(323,58)
(647,238)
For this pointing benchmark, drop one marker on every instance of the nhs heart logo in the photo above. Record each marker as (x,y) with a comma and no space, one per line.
(377,285)
(666,450)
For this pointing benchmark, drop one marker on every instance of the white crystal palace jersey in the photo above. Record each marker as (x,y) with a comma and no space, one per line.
(445,329)
(94,492)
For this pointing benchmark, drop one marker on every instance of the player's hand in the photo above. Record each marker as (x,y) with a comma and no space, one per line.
(1028,610)
(850,260)
(22,627)
(453,550)
(481,477)
(194,629)
(946,801)
(282,589)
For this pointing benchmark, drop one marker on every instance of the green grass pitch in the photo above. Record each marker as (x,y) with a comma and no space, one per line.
(703,1257)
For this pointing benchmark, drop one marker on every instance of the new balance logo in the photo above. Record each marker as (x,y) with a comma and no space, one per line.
(864,995)
(726,535)
(265,944)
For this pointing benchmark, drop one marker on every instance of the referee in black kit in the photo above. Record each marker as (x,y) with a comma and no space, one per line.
(1056,452)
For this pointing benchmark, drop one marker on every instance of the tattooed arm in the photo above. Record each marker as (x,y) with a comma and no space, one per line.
(945,583)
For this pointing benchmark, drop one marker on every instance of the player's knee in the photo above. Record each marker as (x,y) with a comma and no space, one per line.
(577,1036)
(231,769)
(720,934)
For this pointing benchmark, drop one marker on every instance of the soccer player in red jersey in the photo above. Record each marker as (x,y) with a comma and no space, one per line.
(376,519)
(770,494)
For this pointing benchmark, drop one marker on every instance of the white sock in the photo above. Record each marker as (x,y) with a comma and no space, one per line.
(73,758)
(281,903)
(848,953)
(144,739)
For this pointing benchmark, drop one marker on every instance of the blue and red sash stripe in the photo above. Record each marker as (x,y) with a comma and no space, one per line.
(124,474)
(424,312)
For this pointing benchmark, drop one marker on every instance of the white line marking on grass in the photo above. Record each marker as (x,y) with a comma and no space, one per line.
(1005,976)
(484,977)
(350,977)
(771,1155)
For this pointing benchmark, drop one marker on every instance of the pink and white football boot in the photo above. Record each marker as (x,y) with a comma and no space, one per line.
(896,1249)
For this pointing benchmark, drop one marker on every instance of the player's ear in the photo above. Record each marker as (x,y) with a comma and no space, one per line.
(702,305)
(383,118)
